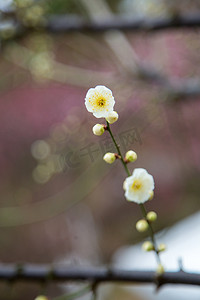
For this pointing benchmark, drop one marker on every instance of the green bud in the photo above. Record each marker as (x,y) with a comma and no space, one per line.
(151,195)
(147,246)
(109,157)
(160,270)
(142,225)
(98,129)
(152,216)
(131,156)
(112,117)
(161,247)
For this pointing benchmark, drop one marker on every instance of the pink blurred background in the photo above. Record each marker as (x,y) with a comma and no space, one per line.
(58,202)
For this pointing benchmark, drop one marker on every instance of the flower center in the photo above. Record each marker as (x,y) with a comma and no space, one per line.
(101,102)
(136,185)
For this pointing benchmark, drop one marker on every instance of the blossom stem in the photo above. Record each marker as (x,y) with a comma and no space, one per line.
(118,150)
(142,207)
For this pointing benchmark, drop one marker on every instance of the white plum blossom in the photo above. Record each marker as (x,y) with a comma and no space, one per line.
(138,186)
(100,101)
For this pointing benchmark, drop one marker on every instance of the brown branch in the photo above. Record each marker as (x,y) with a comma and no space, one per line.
(74,23)
(40,273)
(173,89)
(67,23)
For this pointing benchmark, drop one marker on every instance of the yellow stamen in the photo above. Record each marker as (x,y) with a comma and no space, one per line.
(100,102)
(136,185)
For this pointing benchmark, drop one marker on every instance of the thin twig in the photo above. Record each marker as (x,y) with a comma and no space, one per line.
(142,207)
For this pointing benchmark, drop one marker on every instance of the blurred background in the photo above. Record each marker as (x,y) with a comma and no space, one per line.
(59,202)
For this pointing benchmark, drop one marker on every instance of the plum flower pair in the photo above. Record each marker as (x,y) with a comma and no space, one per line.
(140,185)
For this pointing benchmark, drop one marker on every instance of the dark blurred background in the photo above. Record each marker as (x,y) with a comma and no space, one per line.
(59,202)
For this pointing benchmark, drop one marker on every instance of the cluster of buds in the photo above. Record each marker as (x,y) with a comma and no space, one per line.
(111,157)
(99,129)
(143,225)
(148,246)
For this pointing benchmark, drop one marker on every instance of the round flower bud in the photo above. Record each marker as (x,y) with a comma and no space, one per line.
(142,225)
(124,185)
(151,195)
(41,298)
(160,270)
(152,216)
(98,129)
(131,156)
(147,246)
(161,247)
(109,157)
(112,117)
